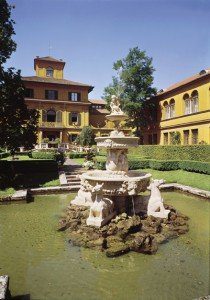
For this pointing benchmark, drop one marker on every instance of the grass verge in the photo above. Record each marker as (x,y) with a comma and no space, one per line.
(201,181)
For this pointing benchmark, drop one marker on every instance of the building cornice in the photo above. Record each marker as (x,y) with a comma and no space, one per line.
(58,102)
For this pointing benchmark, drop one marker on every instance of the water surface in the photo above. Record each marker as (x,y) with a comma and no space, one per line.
(43,265)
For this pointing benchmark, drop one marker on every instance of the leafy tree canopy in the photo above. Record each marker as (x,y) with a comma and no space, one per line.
(18,124)
(86,137)
(133,85)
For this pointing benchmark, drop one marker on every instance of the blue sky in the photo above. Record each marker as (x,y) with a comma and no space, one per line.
(91,34)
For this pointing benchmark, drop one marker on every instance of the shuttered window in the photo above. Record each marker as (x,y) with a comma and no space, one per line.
(75,97)
(75,118)
(51,94)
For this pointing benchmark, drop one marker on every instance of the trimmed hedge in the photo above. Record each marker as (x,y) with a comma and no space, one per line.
(73,155)
(163,165)
(136,164)
(27,173)
(195,166)
(172,152)
(43,155)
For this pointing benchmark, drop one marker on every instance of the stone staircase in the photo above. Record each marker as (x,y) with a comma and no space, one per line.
(73,180)
(69,175)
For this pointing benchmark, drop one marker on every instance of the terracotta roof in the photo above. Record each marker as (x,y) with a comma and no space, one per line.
(55,81)
(49,58)
(97,101)
(199,75)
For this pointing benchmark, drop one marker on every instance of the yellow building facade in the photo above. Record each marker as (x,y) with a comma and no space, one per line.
(63,105)
(183,113)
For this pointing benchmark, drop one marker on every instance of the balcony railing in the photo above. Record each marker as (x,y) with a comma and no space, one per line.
(51,124)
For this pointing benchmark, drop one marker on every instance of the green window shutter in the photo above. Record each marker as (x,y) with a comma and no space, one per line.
(56,95)
(44,116)
(70,96)
(79,119)
(79,96)
(59,116)
(70,122)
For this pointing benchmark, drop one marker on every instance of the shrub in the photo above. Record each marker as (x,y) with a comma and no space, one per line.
(27,173)
(86,137)
(43,155)
(173,152)
(135,164)
(164,165)
(73,155)
(195,166)
(4,154)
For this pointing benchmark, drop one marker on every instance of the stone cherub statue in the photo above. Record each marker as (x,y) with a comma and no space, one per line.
(155,204)
(115,106)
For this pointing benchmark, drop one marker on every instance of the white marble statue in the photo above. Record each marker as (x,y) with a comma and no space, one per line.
(155,204)
(102,210)
(115,106)
(84,195)
(117,160)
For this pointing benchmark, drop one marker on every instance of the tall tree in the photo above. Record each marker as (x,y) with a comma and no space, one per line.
(133,84)
(18,124)
(86,137)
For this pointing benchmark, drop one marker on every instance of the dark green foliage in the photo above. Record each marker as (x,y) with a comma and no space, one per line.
(86,137)
(135,164)
(134,85)
(18,124)
(6,32)
(30,173)
(172,152)
(164,165)
(4,154)
(195,166)
(73,155)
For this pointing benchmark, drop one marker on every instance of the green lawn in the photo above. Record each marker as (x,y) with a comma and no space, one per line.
(201,181)
(7,192)
(20,157)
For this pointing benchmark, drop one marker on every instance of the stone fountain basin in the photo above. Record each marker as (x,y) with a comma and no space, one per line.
(130,183)
(115,117)
(117,142)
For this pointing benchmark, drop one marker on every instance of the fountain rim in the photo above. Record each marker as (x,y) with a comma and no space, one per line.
(121,178)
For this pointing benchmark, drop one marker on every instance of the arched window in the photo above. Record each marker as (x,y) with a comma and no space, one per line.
(194,101)
(172,108)
(166,109)
(51,116)
(169,109)
(191,103)
(186,99)
(59,116)
(49,72)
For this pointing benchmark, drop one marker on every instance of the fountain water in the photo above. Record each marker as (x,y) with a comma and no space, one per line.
(110,191)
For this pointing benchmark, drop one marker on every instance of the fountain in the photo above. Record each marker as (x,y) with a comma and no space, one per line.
(109,213)
(114,190)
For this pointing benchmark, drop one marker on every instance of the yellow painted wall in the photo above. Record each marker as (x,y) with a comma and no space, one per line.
(181,122)
(204,100)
